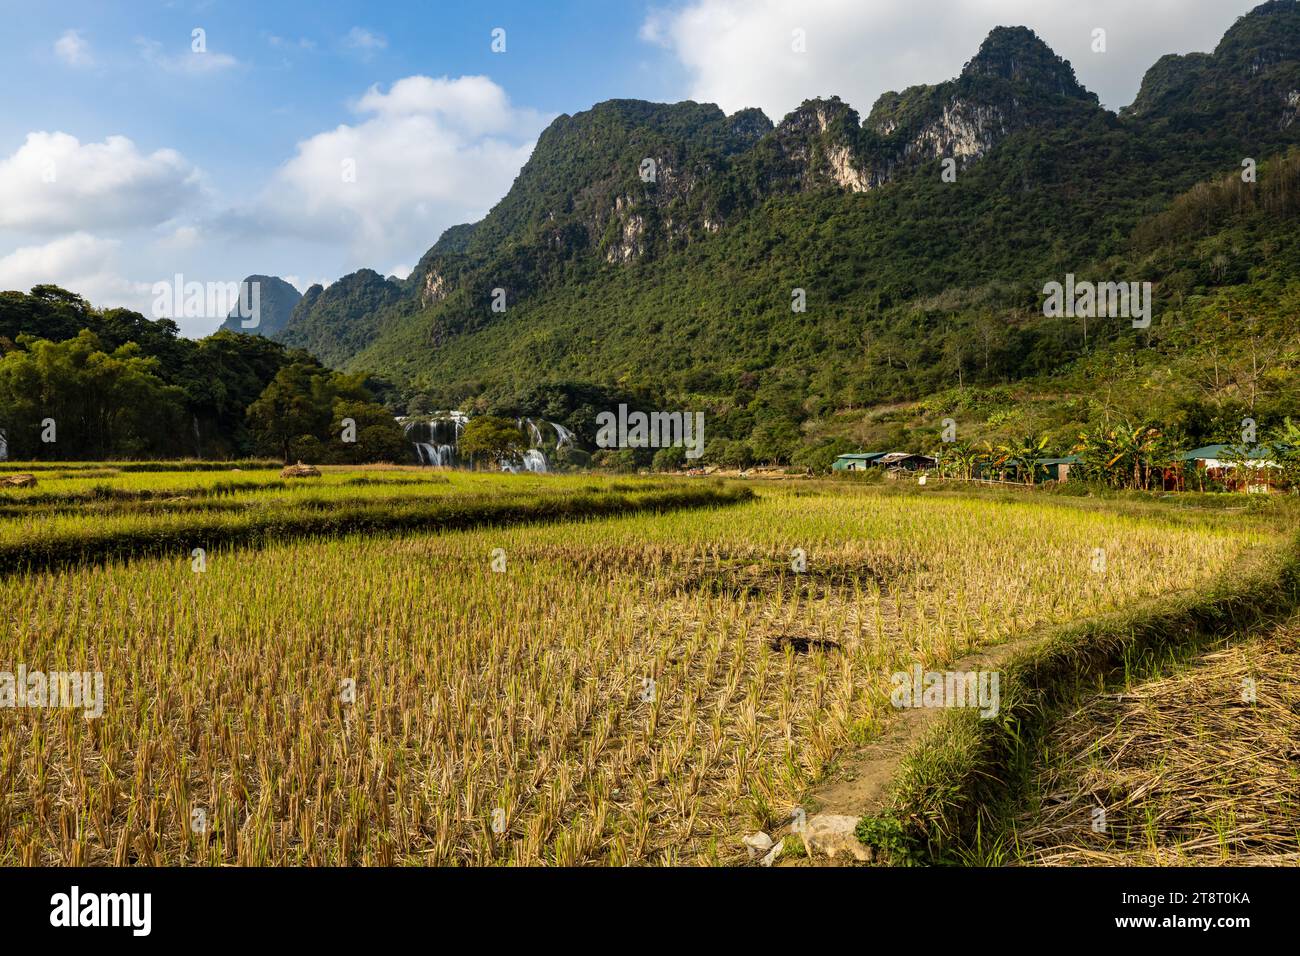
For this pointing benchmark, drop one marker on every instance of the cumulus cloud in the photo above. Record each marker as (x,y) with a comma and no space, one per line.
(73,49)
(739,53)
(425,154)
(55,183)
(82,262)
(180,238)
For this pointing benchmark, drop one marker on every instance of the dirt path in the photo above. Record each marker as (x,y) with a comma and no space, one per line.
(859,785)
(861,780)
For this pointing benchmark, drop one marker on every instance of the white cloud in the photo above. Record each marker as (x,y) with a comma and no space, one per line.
(428,154)
(288,43)
(189,63)
(738,53)
(80,262)
(73,49)
(54,183)
(365,42)
(472,105)
(180,238)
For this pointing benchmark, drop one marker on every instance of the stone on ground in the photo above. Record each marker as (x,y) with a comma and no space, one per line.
(833,834)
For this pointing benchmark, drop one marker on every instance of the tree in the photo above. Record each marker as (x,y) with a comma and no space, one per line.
(493,439)
(958,460)
(378,436)
(100,404)
(299,401)
(1286,452)
(672,458)
(994,459)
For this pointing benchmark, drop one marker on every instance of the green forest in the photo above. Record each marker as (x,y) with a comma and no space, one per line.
(79,383)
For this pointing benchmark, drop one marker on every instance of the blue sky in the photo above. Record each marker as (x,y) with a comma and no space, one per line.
(127,156)
(298,63)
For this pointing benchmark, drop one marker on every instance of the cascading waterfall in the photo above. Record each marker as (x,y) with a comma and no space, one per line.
(534,460)
(436,438)
(563,436)
(4,446)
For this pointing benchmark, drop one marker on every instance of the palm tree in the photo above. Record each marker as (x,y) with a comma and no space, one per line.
(1099,452)
(957,460)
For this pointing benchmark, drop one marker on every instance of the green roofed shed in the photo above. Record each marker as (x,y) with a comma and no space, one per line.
(1054,469)
(857,461)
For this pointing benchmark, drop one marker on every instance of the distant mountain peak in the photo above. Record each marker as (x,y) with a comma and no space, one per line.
(1264,37)
(1256,66)
(1018,54)
(276,300)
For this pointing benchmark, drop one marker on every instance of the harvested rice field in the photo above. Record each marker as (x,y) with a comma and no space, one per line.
(642,676)
(1200,767)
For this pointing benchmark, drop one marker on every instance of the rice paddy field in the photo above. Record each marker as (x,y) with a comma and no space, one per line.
(605,672)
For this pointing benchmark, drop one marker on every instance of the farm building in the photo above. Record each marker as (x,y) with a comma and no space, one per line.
(1054,469)
(859,461)
(902,461)
(888,460)
(1222,462)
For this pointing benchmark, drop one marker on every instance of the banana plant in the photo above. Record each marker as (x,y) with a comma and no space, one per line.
(1024,454)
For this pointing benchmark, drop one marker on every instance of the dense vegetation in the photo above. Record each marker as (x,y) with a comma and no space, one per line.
(83,383)
(924,297)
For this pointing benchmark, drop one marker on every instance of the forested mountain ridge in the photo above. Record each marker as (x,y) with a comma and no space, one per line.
(684,284)
(335,322)
(584,200)
(828,281)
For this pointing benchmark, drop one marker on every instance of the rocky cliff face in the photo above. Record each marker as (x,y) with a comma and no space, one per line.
(818,145)
(628,182)
(963,130)
(434,287)
(1014,82)
(276,301)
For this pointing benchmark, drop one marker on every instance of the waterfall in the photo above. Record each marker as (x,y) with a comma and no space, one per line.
(534,433)
(436,438)
(4,446)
